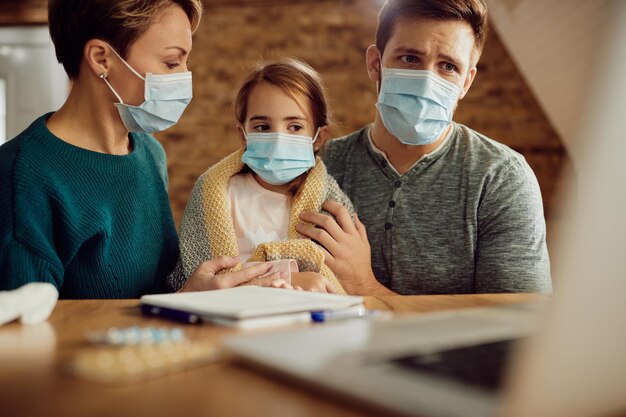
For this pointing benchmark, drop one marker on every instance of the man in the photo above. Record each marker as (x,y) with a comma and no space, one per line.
(447,209)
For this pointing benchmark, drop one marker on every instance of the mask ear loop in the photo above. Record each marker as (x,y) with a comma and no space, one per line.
(126,63)
(245,134)
(379,83)
(316,134)
(104,78)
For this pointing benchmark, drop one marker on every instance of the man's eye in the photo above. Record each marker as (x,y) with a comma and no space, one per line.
(409,59)
(449,67)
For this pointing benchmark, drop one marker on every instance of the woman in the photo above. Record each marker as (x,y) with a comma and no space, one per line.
(85,204)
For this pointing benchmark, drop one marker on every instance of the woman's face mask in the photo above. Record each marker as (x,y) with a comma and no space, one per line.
(166,98)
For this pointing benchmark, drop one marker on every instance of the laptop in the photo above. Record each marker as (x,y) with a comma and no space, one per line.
(454,364)
(443,364)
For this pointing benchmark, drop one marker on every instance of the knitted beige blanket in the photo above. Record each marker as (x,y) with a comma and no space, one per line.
(207,229)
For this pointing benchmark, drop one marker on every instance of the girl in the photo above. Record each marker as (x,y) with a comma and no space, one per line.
(249,203)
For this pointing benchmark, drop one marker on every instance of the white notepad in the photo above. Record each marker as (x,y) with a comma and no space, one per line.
(249,302)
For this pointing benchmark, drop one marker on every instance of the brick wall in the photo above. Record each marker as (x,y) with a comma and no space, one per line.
(332,36)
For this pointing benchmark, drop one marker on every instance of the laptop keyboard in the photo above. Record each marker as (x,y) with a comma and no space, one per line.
(480,365)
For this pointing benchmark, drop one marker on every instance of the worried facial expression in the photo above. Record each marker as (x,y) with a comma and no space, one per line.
(444,47)
(271,109)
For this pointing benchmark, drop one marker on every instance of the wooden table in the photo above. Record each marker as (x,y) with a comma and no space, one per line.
(33,381)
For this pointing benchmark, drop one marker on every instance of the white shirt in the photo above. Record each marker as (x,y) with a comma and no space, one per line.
(259,215)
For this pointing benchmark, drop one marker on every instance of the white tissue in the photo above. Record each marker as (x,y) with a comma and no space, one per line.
(31,303)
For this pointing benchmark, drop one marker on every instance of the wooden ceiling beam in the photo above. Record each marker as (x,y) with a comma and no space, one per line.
(23,12)
(35,12)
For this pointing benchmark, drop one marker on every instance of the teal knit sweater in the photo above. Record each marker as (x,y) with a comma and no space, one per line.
(92,224)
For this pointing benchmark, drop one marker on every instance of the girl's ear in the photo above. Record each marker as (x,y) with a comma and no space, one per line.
(322,138)
(240,132)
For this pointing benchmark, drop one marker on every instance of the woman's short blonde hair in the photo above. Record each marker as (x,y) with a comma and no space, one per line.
(119,22)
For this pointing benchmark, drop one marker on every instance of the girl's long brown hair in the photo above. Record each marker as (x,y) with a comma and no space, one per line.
(298,80)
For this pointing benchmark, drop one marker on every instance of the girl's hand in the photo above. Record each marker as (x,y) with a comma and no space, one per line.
(271,281)
(311,281)
(206,277)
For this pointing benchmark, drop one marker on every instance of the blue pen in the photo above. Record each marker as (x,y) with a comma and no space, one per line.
(170,313)
(322,316)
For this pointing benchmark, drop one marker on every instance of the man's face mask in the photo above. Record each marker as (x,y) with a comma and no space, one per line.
(166,98)
(416,106)
(279,158)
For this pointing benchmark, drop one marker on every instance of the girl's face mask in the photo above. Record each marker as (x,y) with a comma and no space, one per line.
(279,158)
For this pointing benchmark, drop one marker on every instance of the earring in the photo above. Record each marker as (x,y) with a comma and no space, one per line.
(103,76)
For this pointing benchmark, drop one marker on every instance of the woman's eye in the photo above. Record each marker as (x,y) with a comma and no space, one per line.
(172,65)
(409,59)
(261,128)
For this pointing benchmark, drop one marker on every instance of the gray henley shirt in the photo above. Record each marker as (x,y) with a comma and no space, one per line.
(467,218)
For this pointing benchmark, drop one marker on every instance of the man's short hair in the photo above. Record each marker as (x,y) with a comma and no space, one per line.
(119,22)
(474,12)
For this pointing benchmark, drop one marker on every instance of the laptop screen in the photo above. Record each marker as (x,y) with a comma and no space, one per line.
(480,365)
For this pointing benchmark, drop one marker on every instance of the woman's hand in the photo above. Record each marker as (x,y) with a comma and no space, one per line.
(206,277)
(311,281)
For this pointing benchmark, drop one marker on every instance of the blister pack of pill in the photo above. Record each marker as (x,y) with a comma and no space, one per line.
(139,353)
(136,335)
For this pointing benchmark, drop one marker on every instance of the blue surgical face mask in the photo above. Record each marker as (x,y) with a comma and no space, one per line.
(416,106)
(279,158)
(166,98)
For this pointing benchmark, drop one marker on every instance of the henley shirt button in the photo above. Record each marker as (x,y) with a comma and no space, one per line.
(398,184)
(392,204)
(388,226)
